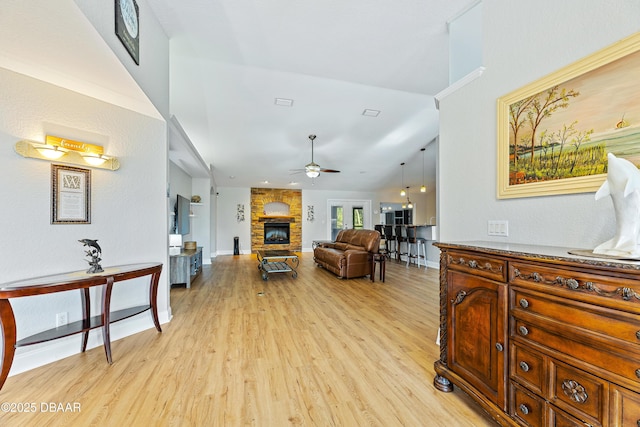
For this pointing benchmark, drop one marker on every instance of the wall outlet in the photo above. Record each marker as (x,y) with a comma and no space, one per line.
(498,228)
(61,319)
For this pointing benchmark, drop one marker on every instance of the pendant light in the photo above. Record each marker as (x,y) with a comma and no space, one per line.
(402,192)
(423,189)
(409,204)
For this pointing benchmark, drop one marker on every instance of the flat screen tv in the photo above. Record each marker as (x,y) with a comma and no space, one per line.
(183,210)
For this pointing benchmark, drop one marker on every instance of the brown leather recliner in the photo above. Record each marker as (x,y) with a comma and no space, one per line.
(351,255)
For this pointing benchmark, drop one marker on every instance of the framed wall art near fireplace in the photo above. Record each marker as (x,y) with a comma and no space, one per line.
(70,195)
(554,134)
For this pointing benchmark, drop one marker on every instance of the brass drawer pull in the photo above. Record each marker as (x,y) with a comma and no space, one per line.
(523,331)
(525,304)
(524,409)
(524,366)
(574,391)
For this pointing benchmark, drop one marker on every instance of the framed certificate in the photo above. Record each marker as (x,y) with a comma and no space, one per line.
(70,195)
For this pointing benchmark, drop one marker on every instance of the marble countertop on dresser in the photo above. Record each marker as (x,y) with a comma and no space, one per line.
(551,253)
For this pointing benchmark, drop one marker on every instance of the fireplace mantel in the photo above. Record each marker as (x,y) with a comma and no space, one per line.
(276,218)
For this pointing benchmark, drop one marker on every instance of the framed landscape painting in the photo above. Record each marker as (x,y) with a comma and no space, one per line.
(554,134)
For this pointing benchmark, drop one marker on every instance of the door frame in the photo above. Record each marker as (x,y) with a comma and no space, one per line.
(349,204)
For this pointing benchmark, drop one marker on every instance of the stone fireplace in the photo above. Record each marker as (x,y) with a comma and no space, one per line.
(275,212)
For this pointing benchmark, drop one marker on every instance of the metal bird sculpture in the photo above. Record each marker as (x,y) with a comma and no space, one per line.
(94,252)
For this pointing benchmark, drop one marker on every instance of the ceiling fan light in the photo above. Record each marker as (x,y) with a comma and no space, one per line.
(312,170)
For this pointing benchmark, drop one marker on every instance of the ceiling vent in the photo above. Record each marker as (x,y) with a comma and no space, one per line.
(283,102)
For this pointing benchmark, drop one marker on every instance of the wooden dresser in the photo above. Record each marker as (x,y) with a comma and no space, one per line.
(540,337)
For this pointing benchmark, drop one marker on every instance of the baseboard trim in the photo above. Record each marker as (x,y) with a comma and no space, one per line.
(31,357)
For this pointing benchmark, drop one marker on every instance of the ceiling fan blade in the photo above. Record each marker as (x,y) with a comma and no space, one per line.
(329,170)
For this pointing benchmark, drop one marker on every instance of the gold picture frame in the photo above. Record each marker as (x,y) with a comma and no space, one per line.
(554,134)
(70,195)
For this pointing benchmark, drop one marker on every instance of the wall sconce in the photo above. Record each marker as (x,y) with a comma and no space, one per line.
(240,213)
(310,214)
(67,151)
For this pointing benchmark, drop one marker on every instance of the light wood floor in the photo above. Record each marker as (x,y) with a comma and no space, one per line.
(313,351)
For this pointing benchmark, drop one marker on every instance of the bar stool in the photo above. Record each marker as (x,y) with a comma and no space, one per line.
(400,238)
(390,240)
(384,243)
(413,241)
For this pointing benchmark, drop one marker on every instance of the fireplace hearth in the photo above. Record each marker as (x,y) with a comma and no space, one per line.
(276,233)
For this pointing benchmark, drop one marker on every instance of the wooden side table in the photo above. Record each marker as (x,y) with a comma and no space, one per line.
(82,281)
(379,258)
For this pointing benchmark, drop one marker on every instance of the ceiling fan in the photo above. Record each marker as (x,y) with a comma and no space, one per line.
(313,169)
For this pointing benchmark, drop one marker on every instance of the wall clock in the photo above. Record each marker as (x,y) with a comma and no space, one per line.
(128,27)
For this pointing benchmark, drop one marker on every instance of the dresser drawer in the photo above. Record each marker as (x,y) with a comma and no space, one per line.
(606,291)
(621,367)
(606,325)
(559,418)
(625,407)
(579,393)
(478,264)
(528,368)
(526,407)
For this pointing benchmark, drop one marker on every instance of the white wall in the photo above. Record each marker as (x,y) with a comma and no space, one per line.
(152,75)
(127,208)
(227,225)
(465,42)
(213,219)
(201,220)
(523,41)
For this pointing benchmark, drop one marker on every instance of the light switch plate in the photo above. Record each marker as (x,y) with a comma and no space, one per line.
(498,228)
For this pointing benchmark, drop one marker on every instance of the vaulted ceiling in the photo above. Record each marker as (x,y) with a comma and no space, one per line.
(233,61)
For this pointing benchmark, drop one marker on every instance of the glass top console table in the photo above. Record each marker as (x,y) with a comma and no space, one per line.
(79,280)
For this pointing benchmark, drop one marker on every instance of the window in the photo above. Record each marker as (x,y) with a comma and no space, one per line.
(358,218)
